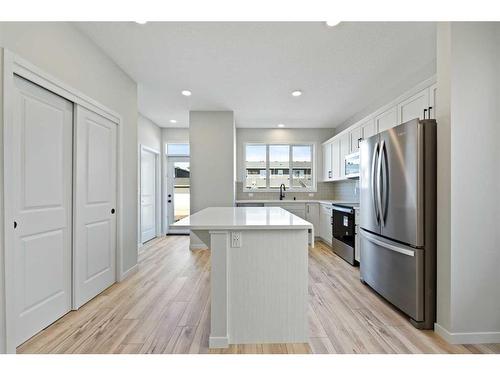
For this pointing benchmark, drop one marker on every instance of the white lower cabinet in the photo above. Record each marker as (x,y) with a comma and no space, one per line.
(325,223)
(312,216)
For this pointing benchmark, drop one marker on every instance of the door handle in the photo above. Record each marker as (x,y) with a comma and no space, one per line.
(386,245)
(379,182)
(374,187)
(112,211)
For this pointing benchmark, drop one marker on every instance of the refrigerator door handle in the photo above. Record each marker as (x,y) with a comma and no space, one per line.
(374,186)
(385,173)
(398,249)
(379,183)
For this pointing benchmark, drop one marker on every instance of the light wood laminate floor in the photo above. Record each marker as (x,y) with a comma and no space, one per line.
(165,308)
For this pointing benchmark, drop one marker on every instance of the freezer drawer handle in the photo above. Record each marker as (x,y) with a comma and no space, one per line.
(385,245)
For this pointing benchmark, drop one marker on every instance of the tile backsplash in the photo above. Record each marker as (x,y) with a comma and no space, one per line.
(338,190)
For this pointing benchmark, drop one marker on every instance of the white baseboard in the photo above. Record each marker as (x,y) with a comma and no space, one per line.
(218,342)
(467,337)
(129,272)
(197,246)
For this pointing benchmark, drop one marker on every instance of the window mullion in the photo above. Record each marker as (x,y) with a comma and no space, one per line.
(290,165)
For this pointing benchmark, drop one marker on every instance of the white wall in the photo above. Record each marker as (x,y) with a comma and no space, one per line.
(244,135)
(148,133)
(2,276)
(211,139)
(63,52)
(469,302)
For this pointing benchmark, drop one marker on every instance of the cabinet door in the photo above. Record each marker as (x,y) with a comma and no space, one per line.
(312,215)
(387,120)
(335,166)
(325,223)
(414,107)
(344,151)
(355,135)
(433,100)
(327,162)
(368,129)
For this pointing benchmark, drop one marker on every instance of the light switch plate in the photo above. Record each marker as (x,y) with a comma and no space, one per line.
(235,239)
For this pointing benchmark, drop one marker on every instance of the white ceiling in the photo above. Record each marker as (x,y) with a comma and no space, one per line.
(252,67)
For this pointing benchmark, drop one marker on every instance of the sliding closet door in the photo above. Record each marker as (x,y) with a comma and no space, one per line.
(95,204)
(42,186)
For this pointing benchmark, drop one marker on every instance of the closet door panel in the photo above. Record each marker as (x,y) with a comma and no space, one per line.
(95,203)
(42,157)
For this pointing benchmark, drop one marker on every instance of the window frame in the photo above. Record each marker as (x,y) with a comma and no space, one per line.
(177,143)
(312,145)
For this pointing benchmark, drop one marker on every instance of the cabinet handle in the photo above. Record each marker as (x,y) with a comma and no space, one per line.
(430,112)
(112,211)
(425,111)
(329,174)
(359,140)
(15,224)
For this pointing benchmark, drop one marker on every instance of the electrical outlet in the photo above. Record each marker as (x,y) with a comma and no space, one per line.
(250,194)
(235,239)
(311,194)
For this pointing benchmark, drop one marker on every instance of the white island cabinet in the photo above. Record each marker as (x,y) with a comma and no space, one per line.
(259,258)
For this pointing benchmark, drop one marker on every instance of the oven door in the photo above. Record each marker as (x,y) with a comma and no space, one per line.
(343,225)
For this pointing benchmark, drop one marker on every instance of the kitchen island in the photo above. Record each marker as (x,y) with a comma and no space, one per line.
(259,273)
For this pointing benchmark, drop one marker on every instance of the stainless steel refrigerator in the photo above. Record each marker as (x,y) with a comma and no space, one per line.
(398,218)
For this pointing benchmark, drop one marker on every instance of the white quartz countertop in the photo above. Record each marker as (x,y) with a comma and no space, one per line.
(213,218)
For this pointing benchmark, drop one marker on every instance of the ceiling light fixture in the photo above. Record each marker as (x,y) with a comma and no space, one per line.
(332,23)
(296,93)
(281,125)
(173,121)
(186,92)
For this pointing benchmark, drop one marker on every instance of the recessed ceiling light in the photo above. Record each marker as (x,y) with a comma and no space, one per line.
(332,23)
(186,92)
(281,125)
(173,121)
(296,93)
(141,22)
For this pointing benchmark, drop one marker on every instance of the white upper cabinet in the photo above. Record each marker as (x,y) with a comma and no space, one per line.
(327,162)
(416,106)
(368,128)
(345,146)
(355,135)
(407,107)
(336,159)
(387,120)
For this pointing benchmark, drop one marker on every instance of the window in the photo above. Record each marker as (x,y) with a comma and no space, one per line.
(267,166)
(255,167)
(178,149)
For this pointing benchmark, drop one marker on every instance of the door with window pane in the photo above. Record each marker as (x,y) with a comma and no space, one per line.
(178,192)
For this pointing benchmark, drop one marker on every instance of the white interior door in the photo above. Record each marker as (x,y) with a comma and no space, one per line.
(148,195)
(42,144)
(95,205)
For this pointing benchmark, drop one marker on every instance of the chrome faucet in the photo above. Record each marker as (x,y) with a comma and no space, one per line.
(282,191)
